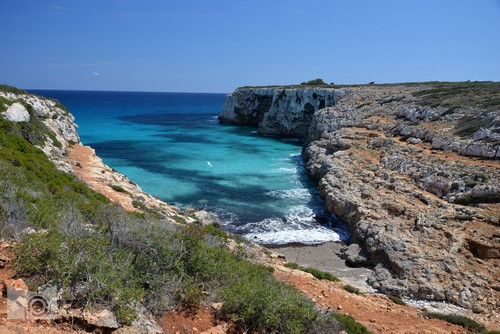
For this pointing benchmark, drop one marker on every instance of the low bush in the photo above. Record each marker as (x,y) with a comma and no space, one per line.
(396,300)
(457,320)
(313,271)
(119,189)
(10,89)
(292,265)
(4,103)
(321,274)
(351,289)
(350,325)
(315,82)
(472,198)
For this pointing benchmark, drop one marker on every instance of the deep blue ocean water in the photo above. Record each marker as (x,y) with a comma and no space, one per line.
(172,145)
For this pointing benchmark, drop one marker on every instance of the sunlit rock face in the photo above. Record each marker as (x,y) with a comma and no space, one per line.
(276,111)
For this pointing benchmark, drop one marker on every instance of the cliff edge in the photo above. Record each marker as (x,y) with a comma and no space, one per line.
(412,168)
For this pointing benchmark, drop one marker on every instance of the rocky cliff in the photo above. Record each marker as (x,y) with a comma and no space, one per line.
(412,168)
(58,138)
(20,107)
(276,111)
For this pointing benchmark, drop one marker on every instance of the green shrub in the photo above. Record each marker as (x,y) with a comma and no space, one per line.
(396,299)
(119,189)
(138,204)
(351,326)
(10,89)
(352,289)
(60,106)
(313,271)
(321,274)
(123,262)
(292,265)
(471,199)
(315,82)
(39,255)
(457,320)
(4,103)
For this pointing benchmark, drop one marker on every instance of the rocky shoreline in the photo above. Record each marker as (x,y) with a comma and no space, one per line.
(412,168)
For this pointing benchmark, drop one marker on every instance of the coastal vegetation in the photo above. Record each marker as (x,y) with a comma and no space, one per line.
(99,256)
(352,289)
(396,300)
(319,274)
(459,320)
(315,82)
(10,89)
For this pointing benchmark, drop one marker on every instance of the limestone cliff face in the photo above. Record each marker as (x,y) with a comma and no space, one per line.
(399,163)
(57,120)
(276,111)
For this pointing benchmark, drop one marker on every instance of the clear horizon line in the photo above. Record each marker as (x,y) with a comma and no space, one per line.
(115,91)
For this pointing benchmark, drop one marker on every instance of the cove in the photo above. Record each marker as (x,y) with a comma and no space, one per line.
(173,146)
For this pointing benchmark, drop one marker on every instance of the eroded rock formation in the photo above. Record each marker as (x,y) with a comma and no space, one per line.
(277,112)
(413,169)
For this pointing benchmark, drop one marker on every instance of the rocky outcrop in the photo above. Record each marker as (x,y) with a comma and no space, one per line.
(399,163)
(16,113)
(60,123)
(276,111)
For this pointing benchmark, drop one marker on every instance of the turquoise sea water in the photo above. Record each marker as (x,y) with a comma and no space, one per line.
(172,145)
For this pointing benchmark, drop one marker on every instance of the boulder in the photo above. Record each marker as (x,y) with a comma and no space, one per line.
(354,255)
(102,319)
(207,218)
(413,140)
(16,113)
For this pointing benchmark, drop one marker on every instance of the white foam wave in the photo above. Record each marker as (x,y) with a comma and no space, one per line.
(285,170)
(298,226)
(298,193)
(309,237)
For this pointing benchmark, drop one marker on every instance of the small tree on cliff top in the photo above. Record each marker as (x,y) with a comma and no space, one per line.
(315,82)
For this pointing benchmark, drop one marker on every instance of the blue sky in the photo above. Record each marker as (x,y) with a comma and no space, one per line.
(218,45)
